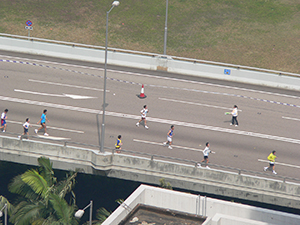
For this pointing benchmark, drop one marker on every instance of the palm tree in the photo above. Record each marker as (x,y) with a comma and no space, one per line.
(42,198)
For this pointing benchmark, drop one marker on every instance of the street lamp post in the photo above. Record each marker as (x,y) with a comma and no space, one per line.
(166,30)
(80,212)
(5,212)
(115,3)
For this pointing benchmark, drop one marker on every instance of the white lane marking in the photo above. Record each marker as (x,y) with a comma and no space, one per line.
(66,85)
(195,103)
(157,77)
(78,96)
(55,95)
(54,128)
(175,146)
(157,120)
(53,138)
(277,163)
(290,118)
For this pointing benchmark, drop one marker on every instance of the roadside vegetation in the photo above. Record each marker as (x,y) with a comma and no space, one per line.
(257,33)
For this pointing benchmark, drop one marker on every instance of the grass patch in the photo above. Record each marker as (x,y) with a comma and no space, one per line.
(259,33)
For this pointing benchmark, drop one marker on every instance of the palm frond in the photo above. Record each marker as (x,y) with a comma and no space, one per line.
(66,186)
(38,184)
(102,214)
(25,213)
(18,186)
(4,201)
(63,211)
(46,170)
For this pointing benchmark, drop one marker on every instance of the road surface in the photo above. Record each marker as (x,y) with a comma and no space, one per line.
(269,118)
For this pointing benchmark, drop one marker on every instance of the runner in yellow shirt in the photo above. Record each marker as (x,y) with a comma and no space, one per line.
(271,158)
(118,144)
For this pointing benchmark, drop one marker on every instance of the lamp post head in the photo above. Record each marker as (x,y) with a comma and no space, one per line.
(1,213)
(115,3)
(79,213)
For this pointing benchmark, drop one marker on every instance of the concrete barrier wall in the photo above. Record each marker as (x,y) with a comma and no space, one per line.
(152,62)
(150,171)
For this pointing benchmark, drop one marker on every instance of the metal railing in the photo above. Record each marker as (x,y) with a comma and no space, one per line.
(280,73)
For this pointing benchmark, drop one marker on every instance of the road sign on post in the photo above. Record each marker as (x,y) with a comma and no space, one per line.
(28,27)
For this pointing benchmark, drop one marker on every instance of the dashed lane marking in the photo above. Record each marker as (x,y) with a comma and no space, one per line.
(157,120)
(140,74)
(161,144)
(159,86)
(278,163)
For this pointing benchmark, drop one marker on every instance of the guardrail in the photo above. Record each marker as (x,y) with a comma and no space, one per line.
(154,55)
(154,157)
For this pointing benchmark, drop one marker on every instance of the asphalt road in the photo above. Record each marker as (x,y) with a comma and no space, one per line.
(72,92)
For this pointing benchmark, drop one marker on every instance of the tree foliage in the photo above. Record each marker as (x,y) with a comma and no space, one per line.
(42,198)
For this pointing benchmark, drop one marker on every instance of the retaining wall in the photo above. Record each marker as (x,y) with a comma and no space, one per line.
(151,171)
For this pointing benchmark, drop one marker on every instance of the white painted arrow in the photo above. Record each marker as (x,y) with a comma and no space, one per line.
(55,95)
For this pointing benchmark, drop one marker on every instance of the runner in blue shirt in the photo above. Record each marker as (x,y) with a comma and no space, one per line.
(169,137)
(42,121)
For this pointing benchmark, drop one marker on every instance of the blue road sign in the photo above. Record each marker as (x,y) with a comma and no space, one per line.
(29,23)
(227,71)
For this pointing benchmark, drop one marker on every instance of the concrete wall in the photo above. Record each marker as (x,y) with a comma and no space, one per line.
(150,171)
(154,62)
(218,212)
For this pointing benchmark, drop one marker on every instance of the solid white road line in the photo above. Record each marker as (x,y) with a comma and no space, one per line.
(174,146)
(195,103)
(157,120)
(156,77)
(54,128)
(53,138)
(66,85)
(277,163)
(55,95)
(290,118)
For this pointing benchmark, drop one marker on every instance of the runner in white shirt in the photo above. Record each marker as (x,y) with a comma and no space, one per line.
(144,112)
(26,126)
(206,152)
(3,120)
(234,114)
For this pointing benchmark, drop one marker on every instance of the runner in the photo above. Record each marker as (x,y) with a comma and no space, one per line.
(26,126)
(271,158)
(169,137)
(3,120)
(206,152)
(118,144)
(144,112)
(234,114)
(42,121)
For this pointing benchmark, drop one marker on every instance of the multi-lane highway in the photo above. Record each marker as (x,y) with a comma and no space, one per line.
(269,118)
